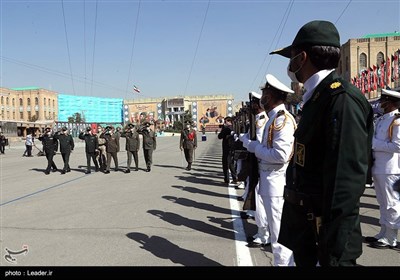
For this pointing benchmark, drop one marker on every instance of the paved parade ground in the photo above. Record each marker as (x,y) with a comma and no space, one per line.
(168,217)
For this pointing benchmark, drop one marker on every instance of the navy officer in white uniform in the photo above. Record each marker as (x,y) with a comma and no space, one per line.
(386,170)
(273,155)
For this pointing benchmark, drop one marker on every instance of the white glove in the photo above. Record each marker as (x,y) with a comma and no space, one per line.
(232,132)
(251,147)
(242,136)
(245,139)
(235,137)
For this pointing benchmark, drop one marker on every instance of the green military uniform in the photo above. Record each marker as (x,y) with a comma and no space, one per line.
(149,145)
(66,147)
(327,176)
(132,146)
(188,142)
(91,146)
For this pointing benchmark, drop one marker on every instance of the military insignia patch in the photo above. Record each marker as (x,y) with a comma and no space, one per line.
(315,96)
(335,85)
(300,154)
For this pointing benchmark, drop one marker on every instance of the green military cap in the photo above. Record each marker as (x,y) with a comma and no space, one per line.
(314,33)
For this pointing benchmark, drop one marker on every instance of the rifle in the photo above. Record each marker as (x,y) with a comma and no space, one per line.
(250,202)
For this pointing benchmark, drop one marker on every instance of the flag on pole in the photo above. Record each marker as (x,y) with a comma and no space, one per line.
(135,88)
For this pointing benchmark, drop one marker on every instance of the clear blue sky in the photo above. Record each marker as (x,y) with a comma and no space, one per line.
(166,48)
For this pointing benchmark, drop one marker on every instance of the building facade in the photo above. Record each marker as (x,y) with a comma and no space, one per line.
(374,55)
(31,108)
(207,111)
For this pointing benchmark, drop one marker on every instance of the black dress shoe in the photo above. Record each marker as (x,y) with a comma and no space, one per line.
(107,172)
(239,198)
(249,239)
(63,172)
(244,215)
(257,245)
(87,172)
(136,169)
(380,245)
(54,170)
(127,171)
(47,172)
(371,239)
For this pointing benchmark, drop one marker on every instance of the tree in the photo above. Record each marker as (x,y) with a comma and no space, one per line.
(187,117)
(76,118)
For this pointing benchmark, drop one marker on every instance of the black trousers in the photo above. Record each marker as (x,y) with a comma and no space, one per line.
(148,157)
(91,156)
(50,162)
(28,150)
(65,157)
(2,148)
(228,163)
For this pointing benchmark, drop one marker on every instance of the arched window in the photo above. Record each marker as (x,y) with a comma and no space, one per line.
(2,100)
(28,101)
(44,101)
(21,102)
(363,61)
(7,101)
(13,101)
(379,59)
(36,101)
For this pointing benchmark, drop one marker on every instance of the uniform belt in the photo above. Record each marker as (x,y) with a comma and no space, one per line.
(300,198)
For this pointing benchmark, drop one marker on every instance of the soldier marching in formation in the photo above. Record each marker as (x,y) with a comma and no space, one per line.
(66,147)
(132,146)
(188,143)
(102,153)
(112,147)
(91,147)
(149,144)
(50,147)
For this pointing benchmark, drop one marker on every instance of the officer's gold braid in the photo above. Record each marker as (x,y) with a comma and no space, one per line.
(392,124)
(273,126)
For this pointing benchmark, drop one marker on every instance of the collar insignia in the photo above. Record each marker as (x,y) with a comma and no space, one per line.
(335,85)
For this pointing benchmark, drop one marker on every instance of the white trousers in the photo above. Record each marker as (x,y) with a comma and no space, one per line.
(387,194)
(273,207)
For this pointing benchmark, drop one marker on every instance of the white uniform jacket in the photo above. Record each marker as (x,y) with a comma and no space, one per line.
(386,145)
(275,151)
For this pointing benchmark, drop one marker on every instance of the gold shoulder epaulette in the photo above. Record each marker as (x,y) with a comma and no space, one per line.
(336,87)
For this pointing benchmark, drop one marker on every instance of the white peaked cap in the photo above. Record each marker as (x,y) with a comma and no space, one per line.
(274,82)
(256,95)
(390,93)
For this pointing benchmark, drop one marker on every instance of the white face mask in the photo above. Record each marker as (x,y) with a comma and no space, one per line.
(188,126)
(291,74)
